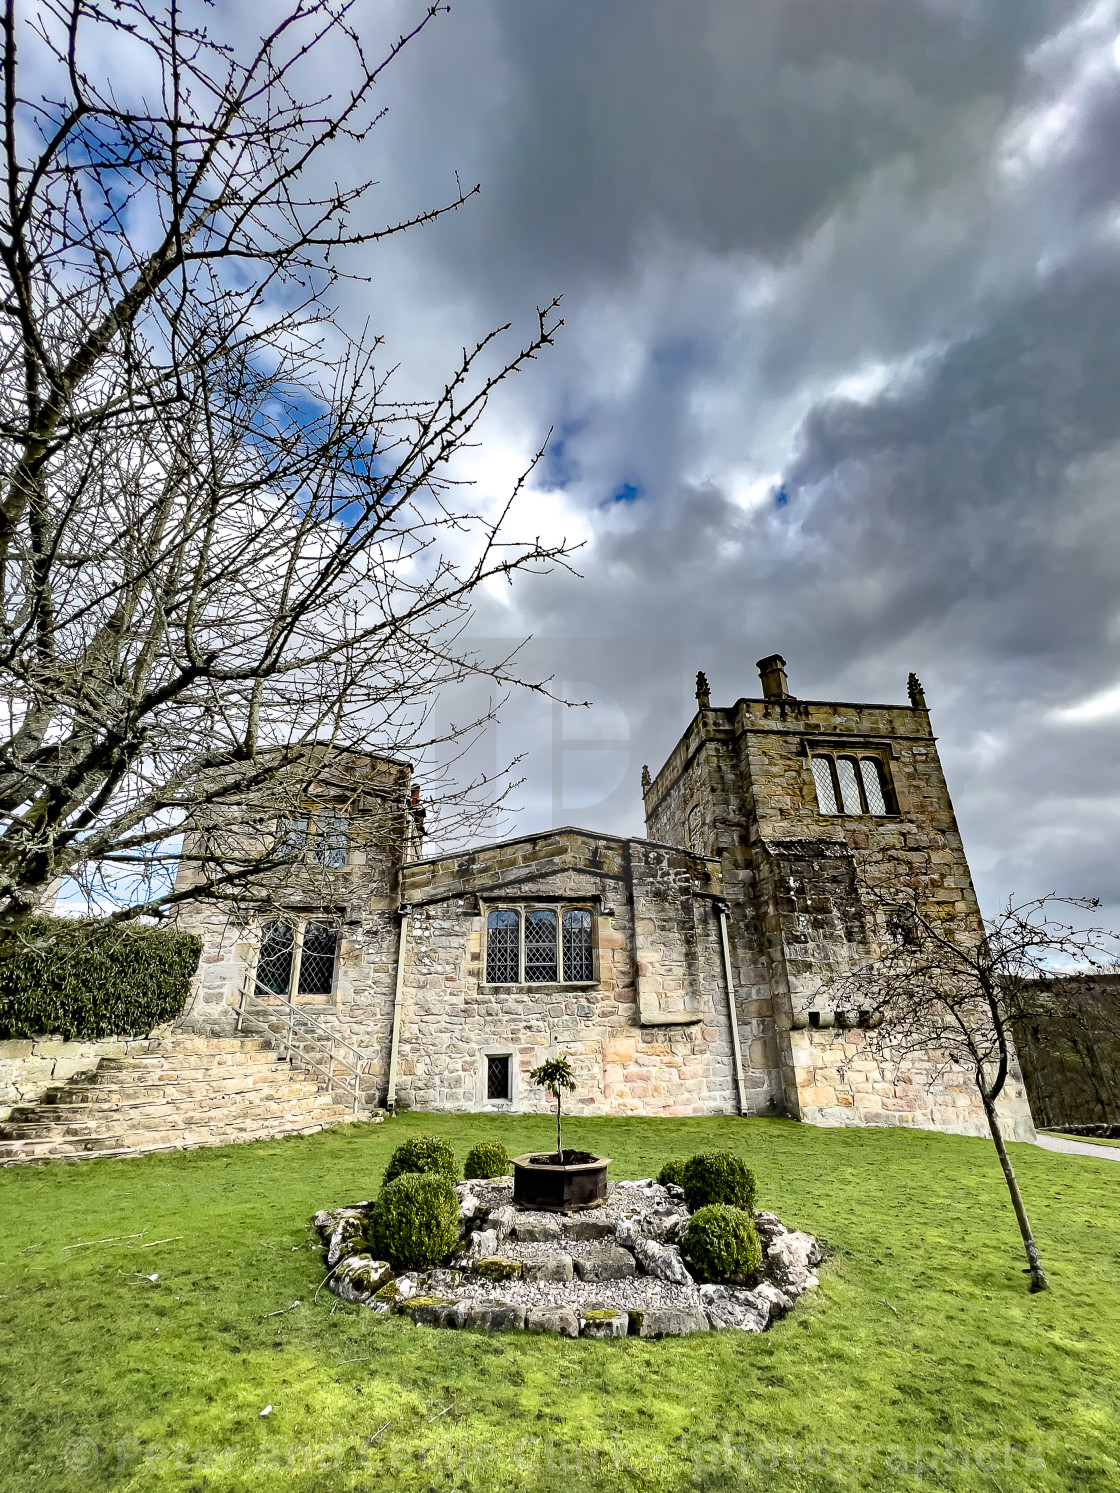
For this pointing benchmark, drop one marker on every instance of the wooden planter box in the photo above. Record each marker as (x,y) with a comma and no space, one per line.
(559,1189)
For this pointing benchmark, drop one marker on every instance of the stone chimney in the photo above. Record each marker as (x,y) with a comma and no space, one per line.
(772,672)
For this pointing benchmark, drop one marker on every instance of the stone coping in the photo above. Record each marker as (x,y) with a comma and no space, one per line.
(614,1271)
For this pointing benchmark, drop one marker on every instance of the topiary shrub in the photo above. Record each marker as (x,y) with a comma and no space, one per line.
(722,1244)
(415,1221)
(672,1173)
(488,1159)
(89,978)
(423,1153)
(718,1177)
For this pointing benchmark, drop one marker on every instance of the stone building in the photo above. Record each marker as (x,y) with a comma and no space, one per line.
(686,973)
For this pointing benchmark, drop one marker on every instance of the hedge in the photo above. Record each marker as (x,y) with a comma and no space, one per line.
(87,978)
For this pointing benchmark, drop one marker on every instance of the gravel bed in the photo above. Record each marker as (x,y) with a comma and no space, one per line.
(661,1292)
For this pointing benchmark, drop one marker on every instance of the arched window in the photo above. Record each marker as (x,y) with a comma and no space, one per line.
(851,785)
(578,963)
(503,954)
(540,946)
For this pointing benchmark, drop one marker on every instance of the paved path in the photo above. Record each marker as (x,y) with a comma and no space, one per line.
(1078,1148)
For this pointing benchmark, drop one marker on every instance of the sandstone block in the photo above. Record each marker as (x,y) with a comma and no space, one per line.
(603,1322)
(559,1319)
(607,1263)
(664,1321)
(558,1269)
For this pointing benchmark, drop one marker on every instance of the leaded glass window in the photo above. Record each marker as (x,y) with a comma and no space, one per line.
(871,773)
(540,945)
(329,843)
(497,1077)
(291,837)
(826,793)
(503,963)
(274,963)
(316,961)
(849,785)
(577,946)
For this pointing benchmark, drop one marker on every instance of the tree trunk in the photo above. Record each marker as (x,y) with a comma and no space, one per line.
(1034,1260)
(559,1136)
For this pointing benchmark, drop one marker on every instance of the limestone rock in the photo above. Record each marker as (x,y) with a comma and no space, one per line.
(770,1227)
(431,1311)
(787,1262)
(502,1219)
(608,1263)
(665,1321)
(584,1228)
(393,1294)
(662,1260)
(493,1316)
(628,1230)
(737,1309)
(347,1233)
(536,1230)
(482,1243)
(496,1269)
(359,1278)
(778,1302)
(555,1270)
(667,1225)
(603,1322)
(559,1319)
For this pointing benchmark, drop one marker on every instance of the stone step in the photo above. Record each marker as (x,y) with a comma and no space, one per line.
(13,1153)
(179,1092)
(188,1062)
(108,1130)
(66,1116)
(238,1081)
(189,1042)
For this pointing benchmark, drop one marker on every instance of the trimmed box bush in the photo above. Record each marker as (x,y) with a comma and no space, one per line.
(672,1173)
(425,1154)
(488,1159)
(89,978)
(718,1177)
(415,1221)
(721,1244)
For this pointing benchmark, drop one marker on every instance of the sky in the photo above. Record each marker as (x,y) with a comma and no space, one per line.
(839,377)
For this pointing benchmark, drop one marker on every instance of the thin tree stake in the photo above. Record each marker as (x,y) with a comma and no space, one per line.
(85,1244)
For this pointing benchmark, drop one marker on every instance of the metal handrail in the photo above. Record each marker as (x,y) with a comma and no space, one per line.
(272,1000)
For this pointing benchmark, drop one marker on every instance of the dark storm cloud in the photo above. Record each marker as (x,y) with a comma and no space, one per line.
(843,318)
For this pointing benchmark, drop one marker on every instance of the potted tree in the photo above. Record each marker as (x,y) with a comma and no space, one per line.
(559,1181)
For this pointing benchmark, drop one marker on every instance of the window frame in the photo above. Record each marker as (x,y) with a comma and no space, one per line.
(520,909)
(314,836)
(855,755)
(298,923)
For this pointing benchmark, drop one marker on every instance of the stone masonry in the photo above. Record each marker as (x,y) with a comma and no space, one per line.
(740,848)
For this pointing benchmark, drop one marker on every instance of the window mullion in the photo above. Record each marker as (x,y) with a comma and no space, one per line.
(521,945)
(297,958)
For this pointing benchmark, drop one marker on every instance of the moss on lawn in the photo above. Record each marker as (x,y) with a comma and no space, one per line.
(921,1363)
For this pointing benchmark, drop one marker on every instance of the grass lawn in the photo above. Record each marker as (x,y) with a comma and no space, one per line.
(922,1362)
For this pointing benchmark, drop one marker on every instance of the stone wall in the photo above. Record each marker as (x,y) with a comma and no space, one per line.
(794,879)
(29,1066)
(649,1035)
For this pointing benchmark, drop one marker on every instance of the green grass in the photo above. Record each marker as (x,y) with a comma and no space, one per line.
(922,1362)
(1092,1140)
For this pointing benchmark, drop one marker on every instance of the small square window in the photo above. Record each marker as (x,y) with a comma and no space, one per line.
(497,1077)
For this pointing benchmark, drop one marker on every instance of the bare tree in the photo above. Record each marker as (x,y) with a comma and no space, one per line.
(224,545)
(954,997)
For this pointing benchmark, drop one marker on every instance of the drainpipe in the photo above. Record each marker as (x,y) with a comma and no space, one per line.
(732,1016)
(398,1001)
